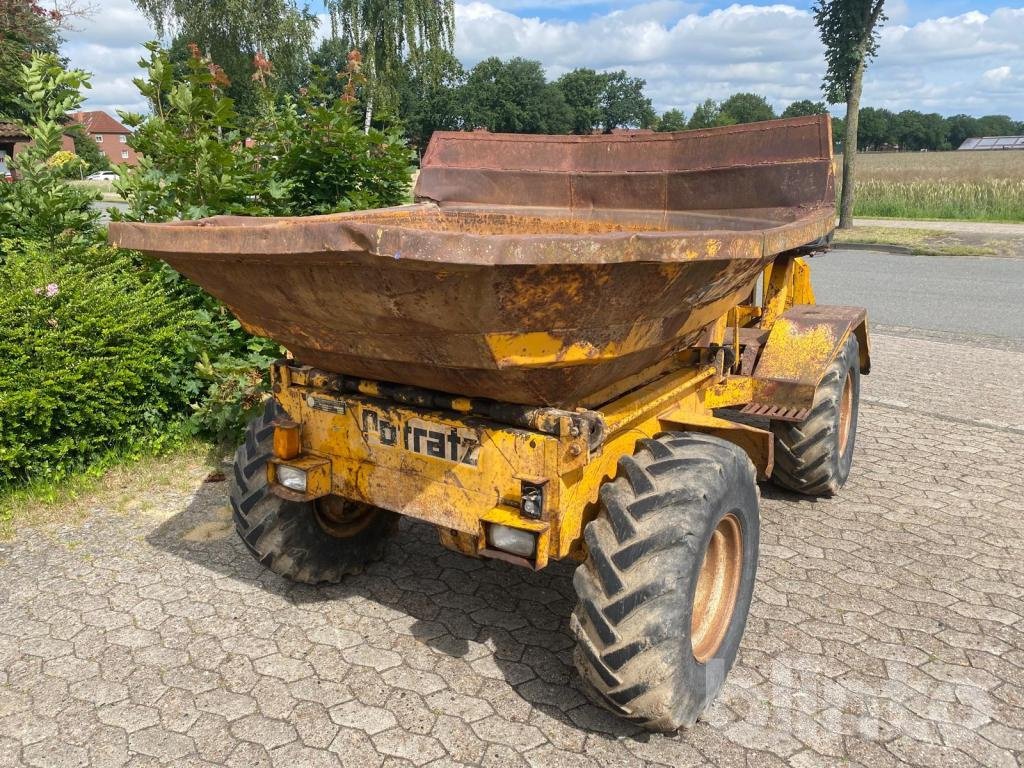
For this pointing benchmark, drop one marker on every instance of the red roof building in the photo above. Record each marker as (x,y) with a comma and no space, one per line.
(110,136)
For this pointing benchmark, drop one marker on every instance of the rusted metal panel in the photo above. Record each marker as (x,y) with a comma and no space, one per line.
(802,344)
(537,270)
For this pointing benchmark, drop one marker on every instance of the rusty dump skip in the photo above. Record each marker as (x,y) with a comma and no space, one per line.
(533,269)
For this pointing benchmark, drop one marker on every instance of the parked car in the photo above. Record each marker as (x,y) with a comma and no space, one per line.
(102,176)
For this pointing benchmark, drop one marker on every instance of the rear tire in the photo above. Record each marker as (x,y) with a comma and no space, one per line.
(291,538)
(654,644)
(814,457)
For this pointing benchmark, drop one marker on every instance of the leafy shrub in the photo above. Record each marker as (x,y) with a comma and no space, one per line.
(199,157)
(316,146)
(40,206)
(94,356)
(194,159)
(67,165)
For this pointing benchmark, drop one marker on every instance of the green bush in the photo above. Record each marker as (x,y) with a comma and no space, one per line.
(316,147)
(95,357)
(41,206)
(305,155)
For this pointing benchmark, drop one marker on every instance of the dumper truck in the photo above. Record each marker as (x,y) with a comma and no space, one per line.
(583,348)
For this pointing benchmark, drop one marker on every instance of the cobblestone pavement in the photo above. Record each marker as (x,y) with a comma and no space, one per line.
(887,626)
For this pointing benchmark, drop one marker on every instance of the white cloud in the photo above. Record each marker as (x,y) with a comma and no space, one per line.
(109,45)
(936,64)
(966,63)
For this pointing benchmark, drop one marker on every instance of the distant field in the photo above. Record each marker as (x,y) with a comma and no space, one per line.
(976,186)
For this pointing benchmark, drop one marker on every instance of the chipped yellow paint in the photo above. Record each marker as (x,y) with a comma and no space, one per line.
(459,498)
(733,390)
(540,348)
(462,498)
(797,353)
(802,291)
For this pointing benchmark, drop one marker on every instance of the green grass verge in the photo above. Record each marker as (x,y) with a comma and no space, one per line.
(925,242)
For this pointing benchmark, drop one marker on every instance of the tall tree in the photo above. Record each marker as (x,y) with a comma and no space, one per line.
(233,32)
(513,97)
(427,104)
(391,34)
(747,108)
(876,129)
(997,125)
(708,114)
(849,30)
(672,120)
(805,108)
(623,103)
(582,90)
(25,28)
(961,128)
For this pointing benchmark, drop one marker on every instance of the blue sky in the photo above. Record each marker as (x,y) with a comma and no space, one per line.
(943,56)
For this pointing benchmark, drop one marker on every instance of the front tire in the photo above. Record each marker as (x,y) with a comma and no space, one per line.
(665,591)
(311,542)
(814,457)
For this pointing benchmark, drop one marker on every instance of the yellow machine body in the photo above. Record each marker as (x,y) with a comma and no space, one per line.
(465,471)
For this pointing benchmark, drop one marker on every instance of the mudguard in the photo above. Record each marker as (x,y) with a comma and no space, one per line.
(802,344)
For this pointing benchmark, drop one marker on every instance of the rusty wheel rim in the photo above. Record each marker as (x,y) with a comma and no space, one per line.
(845,414)
(714,599)
(340,517)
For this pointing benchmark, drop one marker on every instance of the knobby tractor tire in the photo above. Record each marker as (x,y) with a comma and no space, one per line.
(291,538)
(665,590)
(814,456)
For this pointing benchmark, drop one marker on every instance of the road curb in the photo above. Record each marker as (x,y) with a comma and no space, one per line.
(884,247)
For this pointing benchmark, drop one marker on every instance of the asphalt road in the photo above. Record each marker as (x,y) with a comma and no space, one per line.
(957,295)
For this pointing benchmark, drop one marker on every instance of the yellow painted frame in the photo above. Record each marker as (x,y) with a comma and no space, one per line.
(460,496)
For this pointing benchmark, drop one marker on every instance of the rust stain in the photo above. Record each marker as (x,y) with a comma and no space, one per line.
(534,269)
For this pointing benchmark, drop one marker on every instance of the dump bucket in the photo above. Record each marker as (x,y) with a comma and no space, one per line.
(533,269)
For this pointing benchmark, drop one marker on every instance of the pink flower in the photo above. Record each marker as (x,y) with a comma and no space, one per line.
(52,289)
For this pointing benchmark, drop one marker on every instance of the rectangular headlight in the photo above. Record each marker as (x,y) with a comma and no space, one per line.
(514,540)
(291,477)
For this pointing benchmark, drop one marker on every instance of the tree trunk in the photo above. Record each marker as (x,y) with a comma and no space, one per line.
(850,146)
(369,114)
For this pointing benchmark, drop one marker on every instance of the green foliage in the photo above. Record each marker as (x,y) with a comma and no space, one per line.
(881,129)
(40,206)
(605,100)
(86,149)
(999,125)
(708,114)
(25,28)
(747,108)
(623,102)
(306,155)
(194,161)
(672,120)
(392,36)
(232,33)
(805,108)
(318,154)
(514,97)
(429,104)
(94,356)
(849,31)
(916,131)
(981,200)
(582,90)
(959,128)
(67,165)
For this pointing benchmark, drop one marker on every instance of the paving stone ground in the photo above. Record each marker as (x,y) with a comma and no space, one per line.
(887,627)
